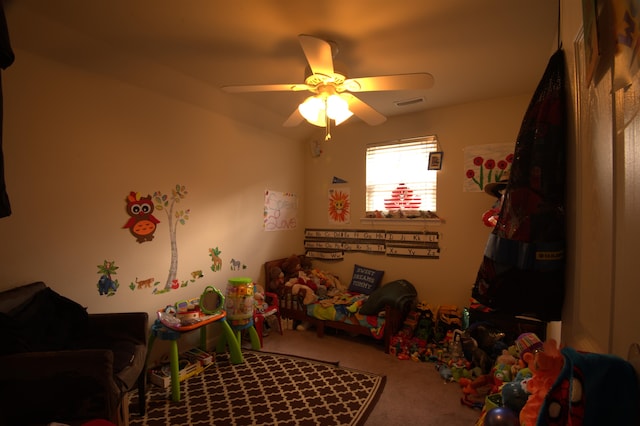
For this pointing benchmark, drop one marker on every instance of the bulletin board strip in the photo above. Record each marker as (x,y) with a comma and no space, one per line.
(391,243)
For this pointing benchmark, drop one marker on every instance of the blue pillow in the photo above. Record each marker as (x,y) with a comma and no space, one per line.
(365,280)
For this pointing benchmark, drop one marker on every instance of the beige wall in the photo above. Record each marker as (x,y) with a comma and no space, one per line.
(447,280)
(76,144)
(604,175)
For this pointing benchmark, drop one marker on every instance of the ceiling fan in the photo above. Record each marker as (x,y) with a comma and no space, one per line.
(332,90)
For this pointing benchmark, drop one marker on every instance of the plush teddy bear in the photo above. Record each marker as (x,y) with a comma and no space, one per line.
(292,265)
(276,279)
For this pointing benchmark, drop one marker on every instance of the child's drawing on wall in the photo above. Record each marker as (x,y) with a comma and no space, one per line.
(339,205)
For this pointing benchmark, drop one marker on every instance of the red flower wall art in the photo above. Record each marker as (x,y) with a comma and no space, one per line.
(484,164)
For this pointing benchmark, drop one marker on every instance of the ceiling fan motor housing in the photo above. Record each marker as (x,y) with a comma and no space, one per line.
(337,78)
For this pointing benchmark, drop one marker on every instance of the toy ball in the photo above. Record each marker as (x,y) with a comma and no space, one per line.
(501,416)
(514,396)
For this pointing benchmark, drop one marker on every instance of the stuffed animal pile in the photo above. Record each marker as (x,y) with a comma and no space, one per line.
(296,272)
(562,386)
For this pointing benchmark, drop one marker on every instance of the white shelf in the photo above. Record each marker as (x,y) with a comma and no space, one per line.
(406,221)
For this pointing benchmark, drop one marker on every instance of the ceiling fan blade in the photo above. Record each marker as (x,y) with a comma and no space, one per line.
(363,111)
(318,53)
(266,88)
(294,119)
(390,82)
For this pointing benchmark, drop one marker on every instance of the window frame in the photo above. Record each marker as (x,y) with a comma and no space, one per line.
(429,185)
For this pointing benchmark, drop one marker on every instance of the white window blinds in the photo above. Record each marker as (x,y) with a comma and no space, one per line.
(398,176)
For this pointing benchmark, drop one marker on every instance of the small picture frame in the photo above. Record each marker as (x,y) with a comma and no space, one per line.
(435,160)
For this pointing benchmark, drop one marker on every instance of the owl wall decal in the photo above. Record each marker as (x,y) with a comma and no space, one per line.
(142,223)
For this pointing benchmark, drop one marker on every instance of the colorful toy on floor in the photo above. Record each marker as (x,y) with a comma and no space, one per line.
(545,366)
(448,318)
(445,372)
(501,416)
(587,389)
(514,396)
(528,343)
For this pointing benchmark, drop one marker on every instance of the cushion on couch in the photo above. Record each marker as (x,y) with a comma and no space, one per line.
(365,280)
(398,294)
(47,322)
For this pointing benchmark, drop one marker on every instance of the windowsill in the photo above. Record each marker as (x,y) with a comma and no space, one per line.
(404,220)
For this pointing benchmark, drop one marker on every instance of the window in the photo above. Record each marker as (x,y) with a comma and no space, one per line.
(398,175)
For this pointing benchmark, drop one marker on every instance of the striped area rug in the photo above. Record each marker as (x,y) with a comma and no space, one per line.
(267,389)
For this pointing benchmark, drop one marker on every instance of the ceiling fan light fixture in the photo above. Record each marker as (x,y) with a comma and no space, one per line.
(338,109)
(316,109)
(312,109)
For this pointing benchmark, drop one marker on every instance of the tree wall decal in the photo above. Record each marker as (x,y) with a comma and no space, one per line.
(167,204)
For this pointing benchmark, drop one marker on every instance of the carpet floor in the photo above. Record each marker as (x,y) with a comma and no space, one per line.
(414,393)
(267,389)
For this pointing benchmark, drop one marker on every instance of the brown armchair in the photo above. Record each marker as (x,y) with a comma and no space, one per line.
(58,363)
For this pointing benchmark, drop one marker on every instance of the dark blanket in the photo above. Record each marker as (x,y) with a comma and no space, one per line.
(399,294)
(6,58)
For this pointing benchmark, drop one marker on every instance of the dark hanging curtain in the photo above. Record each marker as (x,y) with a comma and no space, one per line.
(523,269)
(6,59)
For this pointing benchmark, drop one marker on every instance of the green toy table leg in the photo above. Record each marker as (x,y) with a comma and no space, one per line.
(255,339)
(175,374)
(229,338)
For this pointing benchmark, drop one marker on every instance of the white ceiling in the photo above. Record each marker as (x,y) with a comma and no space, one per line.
(188,49)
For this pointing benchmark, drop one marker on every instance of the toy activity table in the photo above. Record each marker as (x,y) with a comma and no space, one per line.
(172,332)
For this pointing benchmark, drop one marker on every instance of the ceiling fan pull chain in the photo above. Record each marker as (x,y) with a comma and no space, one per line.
(327,120)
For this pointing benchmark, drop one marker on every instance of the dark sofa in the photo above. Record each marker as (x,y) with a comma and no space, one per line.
(59,363)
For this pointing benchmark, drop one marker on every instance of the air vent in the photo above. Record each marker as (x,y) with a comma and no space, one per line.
(408,102)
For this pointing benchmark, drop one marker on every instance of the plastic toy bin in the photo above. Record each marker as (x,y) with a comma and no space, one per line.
(239,302)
